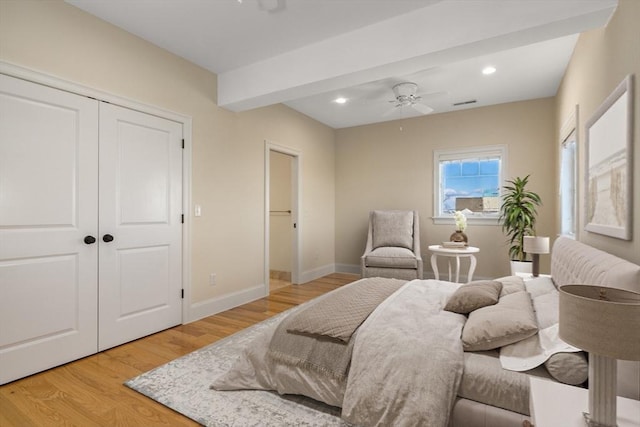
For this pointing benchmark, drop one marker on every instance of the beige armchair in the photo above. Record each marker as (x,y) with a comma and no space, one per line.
(393,246)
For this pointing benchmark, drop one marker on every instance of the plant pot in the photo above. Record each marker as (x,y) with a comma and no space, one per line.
(459,236)
(522,267)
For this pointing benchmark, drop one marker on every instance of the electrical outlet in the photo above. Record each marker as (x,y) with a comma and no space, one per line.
(212,279)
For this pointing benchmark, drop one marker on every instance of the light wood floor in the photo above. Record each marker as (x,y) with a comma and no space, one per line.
(89,392)
(275,284)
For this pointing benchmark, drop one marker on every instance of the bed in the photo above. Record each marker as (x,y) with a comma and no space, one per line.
(432,353)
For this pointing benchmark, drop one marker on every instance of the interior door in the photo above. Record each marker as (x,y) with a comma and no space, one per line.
(48,218)
(140,225)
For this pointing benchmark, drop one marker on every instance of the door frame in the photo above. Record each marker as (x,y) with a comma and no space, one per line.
(186,121)
(296,205)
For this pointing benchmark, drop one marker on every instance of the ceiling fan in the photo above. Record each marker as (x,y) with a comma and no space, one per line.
(406,96)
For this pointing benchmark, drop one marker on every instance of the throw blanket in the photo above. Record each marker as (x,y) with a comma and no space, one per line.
(331,321)
(407,360)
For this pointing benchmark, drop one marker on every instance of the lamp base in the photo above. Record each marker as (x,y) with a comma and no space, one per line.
(536,265)
(602,391)
(591,423)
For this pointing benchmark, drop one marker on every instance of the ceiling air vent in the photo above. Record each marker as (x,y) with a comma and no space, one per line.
(472,101)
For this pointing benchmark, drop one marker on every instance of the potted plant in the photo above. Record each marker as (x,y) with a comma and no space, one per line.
(518,215)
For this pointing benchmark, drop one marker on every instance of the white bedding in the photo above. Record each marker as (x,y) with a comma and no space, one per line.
(534,351)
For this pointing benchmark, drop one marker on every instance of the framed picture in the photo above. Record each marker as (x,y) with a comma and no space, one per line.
(609,142)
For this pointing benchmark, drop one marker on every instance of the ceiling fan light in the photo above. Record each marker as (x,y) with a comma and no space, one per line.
(405,89)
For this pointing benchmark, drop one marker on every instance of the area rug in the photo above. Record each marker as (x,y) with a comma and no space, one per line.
(183,385)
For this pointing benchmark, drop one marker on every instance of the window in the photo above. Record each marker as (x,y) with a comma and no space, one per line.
(469,179)
(568,188)
(568,194)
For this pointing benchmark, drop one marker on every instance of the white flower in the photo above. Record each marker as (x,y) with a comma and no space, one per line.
(461,221)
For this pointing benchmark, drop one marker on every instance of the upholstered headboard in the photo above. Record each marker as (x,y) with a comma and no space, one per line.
(573,262)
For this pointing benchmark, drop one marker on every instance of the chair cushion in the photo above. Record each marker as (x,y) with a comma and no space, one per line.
(391,257)
(392,228)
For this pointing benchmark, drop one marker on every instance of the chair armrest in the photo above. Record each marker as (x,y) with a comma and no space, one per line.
(416,235)
(369,247)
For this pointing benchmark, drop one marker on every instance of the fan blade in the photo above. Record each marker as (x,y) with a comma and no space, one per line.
(432,94)
(391,111)
(424,109)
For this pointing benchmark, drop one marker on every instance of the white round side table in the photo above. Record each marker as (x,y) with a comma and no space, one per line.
(457,253)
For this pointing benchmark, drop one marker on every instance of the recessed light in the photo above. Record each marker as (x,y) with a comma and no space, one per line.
(488,70)
(340,100)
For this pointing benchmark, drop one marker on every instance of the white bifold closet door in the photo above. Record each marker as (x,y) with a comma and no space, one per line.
(140,280)
(90,229)
(48,205)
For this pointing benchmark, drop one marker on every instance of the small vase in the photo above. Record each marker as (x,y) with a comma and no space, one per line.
(459,236)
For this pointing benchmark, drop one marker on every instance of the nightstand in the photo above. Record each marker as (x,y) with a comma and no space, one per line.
(457,253)
(553,405)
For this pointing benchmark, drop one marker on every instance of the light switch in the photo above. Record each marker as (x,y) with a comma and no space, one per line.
(198,211)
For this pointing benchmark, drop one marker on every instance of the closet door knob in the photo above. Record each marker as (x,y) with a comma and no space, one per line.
(107,238)
(89,240)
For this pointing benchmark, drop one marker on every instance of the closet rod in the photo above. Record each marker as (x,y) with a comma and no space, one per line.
(280,212)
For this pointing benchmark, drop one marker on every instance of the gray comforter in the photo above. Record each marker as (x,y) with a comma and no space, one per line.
(405,368)
(417,385)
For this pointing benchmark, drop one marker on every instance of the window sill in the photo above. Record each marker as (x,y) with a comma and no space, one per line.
(471,220)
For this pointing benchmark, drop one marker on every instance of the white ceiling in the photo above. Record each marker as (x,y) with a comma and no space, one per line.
(306,53)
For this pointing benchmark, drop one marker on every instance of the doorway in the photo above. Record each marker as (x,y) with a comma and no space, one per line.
(282,225)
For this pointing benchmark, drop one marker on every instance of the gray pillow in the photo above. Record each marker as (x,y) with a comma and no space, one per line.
(393,228)
(474,295)
(510,320)
(511,284)
(568,368)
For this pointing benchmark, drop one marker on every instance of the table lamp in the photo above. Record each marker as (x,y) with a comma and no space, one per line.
(535,246)
(605,322)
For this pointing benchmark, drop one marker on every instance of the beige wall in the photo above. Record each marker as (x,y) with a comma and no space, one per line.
(382,167)
(228,148)
(601,60)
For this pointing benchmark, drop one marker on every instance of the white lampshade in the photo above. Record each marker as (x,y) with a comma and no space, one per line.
(536,245)
(601,320)
(605,322)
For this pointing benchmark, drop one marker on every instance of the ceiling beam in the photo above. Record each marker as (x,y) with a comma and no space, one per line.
(434,35)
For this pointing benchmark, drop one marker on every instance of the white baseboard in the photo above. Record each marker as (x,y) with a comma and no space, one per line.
(213,306)
(348,268)
(317,273)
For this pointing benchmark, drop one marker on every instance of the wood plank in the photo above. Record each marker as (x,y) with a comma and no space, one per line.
(90,391)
